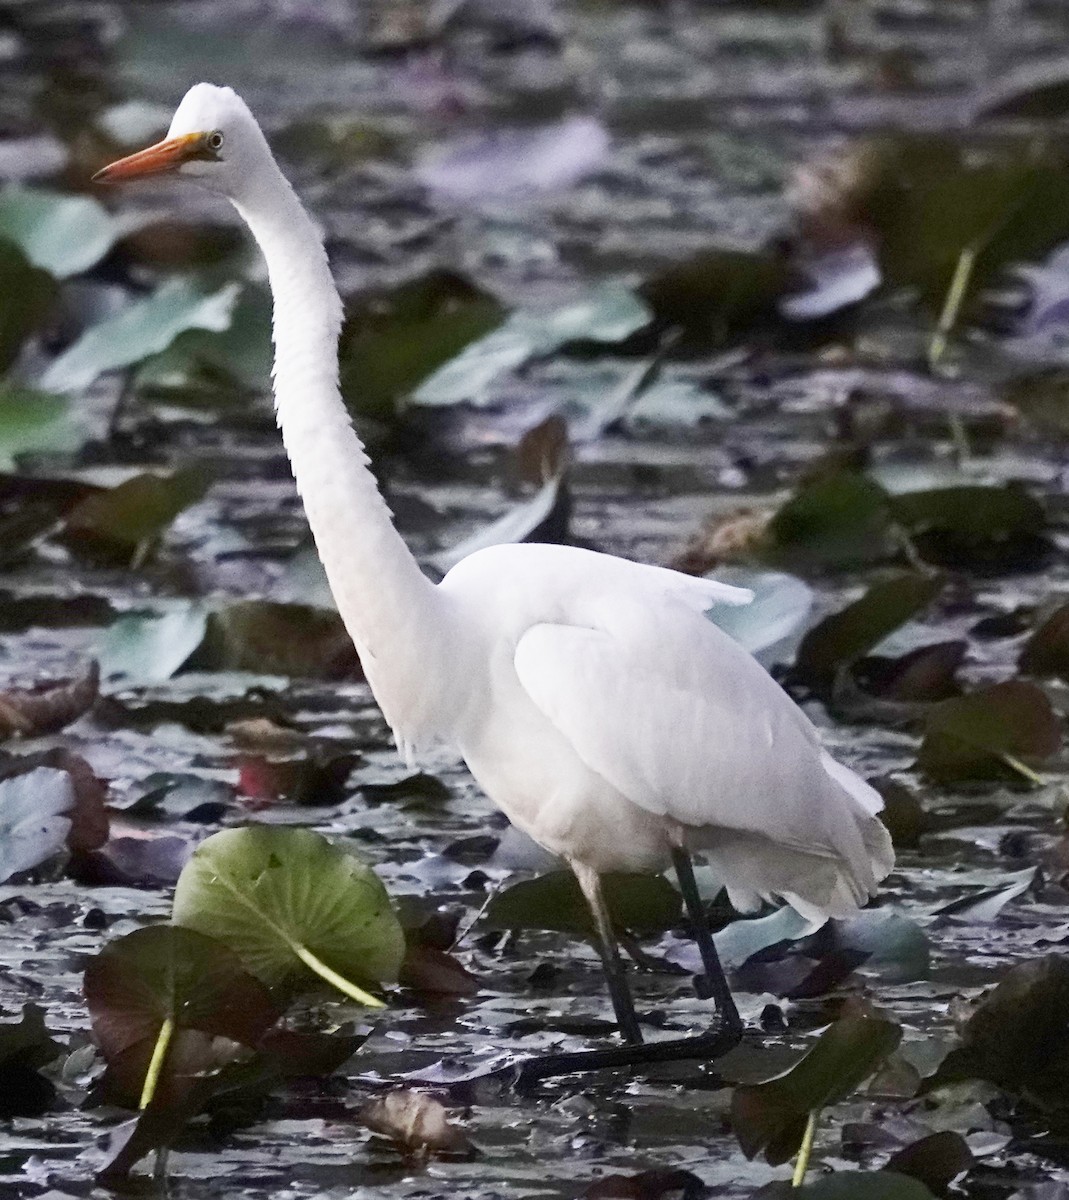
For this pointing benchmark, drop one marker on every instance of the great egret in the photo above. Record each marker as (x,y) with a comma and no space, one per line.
(590,697)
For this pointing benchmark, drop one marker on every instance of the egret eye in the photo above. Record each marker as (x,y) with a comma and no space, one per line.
(215,140)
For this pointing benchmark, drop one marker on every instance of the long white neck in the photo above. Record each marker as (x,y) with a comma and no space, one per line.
(389,607)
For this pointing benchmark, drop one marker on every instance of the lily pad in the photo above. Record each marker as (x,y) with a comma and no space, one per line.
(984,735)
(845,636)
(838,521)
(34,818)
(64,235)
(26,297)
(167,974)
(277,639)
(608,315)
(33,422)
(151,649)
(1046,653)
(288,902)
(771,1117)
(643,904)
(147,327)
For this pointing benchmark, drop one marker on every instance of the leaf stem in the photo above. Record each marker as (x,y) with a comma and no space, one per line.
(334,979)
(805,1150)
(948,318)
(155,1066)
(1022,769)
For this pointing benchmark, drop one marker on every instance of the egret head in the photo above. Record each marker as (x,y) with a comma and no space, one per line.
(213,139)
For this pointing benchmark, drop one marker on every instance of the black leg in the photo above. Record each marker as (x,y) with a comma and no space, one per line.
(716,983)
(623,1006)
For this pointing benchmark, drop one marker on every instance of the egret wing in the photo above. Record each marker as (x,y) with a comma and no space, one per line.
(685,723)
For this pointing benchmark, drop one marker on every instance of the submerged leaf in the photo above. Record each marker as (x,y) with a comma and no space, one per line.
(643,904)
(983,734)
(274,895)
(771,1116)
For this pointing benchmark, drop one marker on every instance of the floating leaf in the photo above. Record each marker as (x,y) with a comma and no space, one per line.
(1046,653)
(608,315)
(845,636)
(984,734)
(643,904)
(1017,1036)
(34,820)
(936,1160)
(288,901)
(391,344)
(147,327)
(169,976)
(48,707)
(26,297)
(64,235)
(34,422)
(658,1183)
(277,639)
(25,1047)
(150,649)
(988,904)
(319,778)
(838,521)
(850,1185)
(772,1116)
(718,295)
(121,523)
(416,1122)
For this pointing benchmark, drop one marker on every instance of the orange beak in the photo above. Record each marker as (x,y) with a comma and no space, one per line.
(164,156)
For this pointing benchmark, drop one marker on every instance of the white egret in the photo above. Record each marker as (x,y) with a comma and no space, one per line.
(589,696)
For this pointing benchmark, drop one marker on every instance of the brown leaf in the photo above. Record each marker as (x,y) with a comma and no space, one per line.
(48,707)
(416,1122)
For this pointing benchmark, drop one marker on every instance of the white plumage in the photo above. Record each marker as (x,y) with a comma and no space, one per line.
(589,696)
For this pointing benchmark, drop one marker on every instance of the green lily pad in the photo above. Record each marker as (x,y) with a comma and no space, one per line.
(285,900)
(984,735)
(36,422)
(771,1117)
(278,639)
(147,327)
(1046,653)
(120,523)
(391,343)
(165,973)
(609,315)
(26,296)
(145,649)
(847,635)
(643,904)
(838,521)
(64,235)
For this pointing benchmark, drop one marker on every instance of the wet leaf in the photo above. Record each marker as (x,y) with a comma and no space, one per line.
(896,948)
(922,676)
(838,522)
(119,524)
(850,1185)
(63,235)
(431,971)
(988,903)
(319,779)
(543,518)
(981,735)
(88,815)
(147,327)
(738,942)
(770,1117)
(421,789)
(48,707)
(151,649)
(390,344)
(972,527)
(277,639)
(276,895)
(717,296)
(1017,1036)
(34,422)
(34,818)
(642,904)
(25,1046)
(771,625)
(167,973)
(936,1160)
(607,315)
(416,1122)
(148,860)
(847,635)
(515,164)
(658,1183)
(26,297)
(1046,653)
